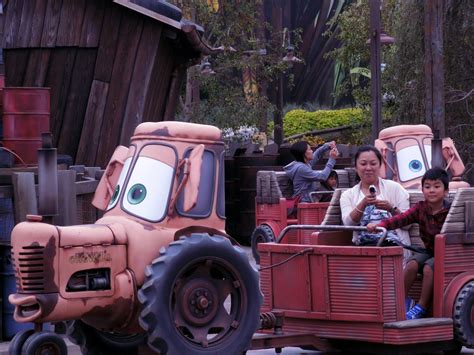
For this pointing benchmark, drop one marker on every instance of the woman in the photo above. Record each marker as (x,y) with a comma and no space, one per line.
(389,196)
(301,170)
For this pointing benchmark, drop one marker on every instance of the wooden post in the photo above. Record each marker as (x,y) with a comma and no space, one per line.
(24,195)
(434,66)
(67,203)
(278,118)
(375,61)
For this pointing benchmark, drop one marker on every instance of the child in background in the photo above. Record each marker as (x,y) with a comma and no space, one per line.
(430,214)
(329,185)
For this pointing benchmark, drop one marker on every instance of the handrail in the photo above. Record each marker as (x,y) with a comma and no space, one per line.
(330,228)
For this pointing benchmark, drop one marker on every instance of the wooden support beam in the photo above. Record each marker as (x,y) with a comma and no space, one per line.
(434,66)
(67,203)
(24,195)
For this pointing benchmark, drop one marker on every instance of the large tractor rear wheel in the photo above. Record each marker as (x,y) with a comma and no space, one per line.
(95,342)
(201,296)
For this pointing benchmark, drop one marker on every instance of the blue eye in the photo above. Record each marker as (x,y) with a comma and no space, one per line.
(136,194)
(415,165)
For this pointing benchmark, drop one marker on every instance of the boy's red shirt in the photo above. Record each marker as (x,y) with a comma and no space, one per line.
(430,224)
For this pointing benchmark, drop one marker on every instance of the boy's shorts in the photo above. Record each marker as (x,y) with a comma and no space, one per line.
(422,260)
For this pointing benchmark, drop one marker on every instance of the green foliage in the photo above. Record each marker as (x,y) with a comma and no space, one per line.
(236,24)
(300,121)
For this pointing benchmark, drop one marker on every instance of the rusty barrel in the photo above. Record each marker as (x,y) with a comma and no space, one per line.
(26,114)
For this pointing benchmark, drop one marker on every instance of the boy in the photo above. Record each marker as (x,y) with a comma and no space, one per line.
(329,185)
(430,214)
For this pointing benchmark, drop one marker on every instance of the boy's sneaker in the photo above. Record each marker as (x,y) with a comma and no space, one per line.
(416,312)
(409,303)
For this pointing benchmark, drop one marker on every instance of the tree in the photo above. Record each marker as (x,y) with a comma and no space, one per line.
(235,94)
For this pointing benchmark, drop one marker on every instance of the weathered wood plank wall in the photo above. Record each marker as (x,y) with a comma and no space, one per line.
(108,67)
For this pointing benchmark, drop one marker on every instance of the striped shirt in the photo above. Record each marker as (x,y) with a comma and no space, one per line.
(430,224)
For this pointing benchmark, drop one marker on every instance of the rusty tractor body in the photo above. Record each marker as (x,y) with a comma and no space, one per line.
(407,153)
(157,268)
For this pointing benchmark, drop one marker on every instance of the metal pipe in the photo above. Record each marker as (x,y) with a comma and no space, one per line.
(437,151)
(327,228)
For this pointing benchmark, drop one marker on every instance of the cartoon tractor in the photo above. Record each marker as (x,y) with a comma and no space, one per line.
(156,270)
(407,153)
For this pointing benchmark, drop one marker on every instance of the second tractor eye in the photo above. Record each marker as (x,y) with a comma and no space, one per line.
(415,165)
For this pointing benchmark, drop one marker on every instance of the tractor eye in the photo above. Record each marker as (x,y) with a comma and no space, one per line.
(136,194)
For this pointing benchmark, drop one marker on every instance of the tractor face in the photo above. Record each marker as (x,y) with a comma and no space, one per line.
(407,155)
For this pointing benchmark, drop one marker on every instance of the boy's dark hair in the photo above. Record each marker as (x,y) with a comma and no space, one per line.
(436,174)
(298,149)
(333,174)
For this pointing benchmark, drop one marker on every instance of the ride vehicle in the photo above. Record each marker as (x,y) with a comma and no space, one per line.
(273,200)
(406,155)
(156,270)
(330,294)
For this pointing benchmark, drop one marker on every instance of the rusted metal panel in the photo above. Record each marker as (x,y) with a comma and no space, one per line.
(267,212)
(372,332)
(141,79)
(51,23)
(266,282)
(92,23)
(290,283)
(129,34)
(459,258)
(353,290)
(419,335)
(392,294)
(69,29)
(319,283)
(438,282)
(93,117)
(310,213)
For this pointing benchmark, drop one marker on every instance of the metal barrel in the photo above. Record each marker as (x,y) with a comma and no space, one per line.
(26,114)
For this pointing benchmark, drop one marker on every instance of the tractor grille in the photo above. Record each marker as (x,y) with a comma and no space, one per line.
(30,269)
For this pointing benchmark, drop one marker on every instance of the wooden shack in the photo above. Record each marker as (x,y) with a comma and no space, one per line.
(110,64)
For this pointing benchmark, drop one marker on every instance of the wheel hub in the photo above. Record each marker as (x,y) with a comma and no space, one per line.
(198,300)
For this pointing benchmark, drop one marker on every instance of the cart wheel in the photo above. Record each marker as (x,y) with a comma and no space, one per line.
(201,296)
(44,343)
(261,234)
(94,341)
(463,315)
(18,340)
